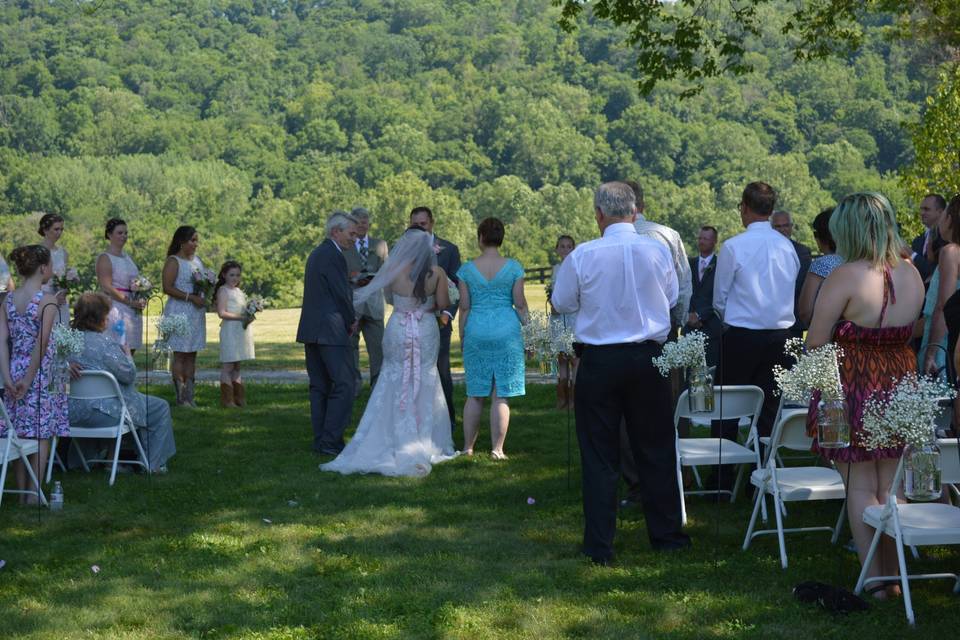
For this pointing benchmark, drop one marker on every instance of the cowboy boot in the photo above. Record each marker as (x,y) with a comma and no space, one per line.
(562,393)
(178,389)
(226,395)
(188,393)
(239,394)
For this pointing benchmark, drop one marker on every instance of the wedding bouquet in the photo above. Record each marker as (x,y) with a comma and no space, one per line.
(454,292)
(204,282)
(561,339)
(255,304)
(175,324)
(67,343)
(689,351)
(140,288)
(817,369)
(66,280)
(904,415)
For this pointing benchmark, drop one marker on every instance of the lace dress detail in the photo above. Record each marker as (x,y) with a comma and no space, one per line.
(492,342)
(236,343)
(58,260)
(405,428)
(41,413)
(124,271)
(196,316)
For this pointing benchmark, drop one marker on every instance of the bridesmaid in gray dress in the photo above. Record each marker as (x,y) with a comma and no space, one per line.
(150,414)
(115,273)
(178,270)
(51,228)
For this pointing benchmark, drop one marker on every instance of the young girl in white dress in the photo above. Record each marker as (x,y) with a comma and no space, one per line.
(236,337)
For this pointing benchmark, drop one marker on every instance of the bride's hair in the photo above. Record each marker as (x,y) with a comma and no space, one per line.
(412,257)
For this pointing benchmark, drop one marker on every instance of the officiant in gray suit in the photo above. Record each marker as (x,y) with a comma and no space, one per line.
(327,323)
(364,258)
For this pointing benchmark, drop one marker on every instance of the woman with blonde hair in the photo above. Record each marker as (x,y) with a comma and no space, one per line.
(868,307)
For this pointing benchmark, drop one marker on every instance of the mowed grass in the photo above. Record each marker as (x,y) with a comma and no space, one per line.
(275,333)
(246,538)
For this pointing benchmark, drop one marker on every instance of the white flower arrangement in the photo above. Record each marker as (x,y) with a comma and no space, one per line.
(542,341)
(175,324)
(816,369)
(255,304)
(689,350)
(453,292)
(561,339)
(904,414)
(67,342)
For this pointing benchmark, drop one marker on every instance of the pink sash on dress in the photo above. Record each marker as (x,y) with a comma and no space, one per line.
(410,321)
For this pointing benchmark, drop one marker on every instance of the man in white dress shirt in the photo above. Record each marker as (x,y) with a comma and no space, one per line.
(622,287)
(753,293)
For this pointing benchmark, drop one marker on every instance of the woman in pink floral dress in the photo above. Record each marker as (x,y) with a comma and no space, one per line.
(27,318)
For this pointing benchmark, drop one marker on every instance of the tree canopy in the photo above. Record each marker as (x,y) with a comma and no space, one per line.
(254,119)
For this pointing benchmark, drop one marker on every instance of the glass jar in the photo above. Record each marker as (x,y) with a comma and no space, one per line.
(921,470)
(160,357)
(59,375)
(833,429)
(699,390)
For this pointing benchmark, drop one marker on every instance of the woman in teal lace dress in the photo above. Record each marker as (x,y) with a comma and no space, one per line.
(491,307)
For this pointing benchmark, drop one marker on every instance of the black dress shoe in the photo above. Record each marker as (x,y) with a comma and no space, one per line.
(674,545)
(601,562)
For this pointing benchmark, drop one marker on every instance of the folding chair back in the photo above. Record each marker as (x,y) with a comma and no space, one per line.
(11,448)
(790,432)
(96,385)
(734,401)
(949,460)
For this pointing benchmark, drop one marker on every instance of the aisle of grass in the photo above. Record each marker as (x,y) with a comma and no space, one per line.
(245,538)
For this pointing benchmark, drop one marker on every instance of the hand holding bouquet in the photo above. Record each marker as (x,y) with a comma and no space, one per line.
(255,304)
(204,282)
(140,288)
(66,281)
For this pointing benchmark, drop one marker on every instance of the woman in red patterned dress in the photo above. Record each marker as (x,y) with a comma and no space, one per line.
(868,307)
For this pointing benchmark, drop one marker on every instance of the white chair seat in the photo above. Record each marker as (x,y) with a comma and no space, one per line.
(921,524)
(707,451)
(802,483)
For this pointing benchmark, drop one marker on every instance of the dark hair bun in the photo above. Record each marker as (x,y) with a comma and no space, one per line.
(112,224)
(29,258)
(47,221)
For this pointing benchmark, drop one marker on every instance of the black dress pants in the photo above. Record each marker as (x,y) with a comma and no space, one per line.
(614,383)
(443,370)
(748,357)
(331,372)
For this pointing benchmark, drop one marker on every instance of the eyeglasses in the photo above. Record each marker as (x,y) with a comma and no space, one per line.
(785,225)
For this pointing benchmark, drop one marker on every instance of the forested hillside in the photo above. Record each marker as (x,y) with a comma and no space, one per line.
(253,119)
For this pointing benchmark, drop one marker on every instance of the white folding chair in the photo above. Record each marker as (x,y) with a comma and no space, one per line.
(916,524)
(731,402)
(11,448)
(101,385)
(792,484)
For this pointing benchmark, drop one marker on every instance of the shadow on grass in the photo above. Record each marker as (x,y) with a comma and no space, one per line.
(247,538)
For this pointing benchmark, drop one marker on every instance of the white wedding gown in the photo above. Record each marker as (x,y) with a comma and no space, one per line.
(405,428)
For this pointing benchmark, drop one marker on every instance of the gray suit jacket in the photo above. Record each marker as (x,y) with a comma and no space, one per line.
(327,311)
(376,256)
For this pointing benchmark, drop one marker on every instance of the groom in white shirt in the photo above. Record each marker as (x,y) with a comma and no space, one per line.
(622,287)
(753,293)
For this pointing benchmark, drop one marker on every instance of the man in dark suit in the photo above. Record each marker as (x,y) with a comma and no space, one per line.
(702,317)
(931,210)
(448,259)
(782,221)
(327,321)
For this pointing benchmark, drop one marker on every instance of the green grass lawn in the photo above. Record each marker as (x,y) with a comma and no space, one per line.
(245,538)
(275,332)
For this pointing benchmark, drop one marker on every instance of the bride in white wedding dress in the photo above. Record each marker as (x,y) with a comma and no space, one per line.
(405,428)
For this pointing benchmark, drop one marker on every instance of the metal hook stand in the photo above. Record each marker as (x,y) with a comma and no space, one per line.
(39,381)
(148,355)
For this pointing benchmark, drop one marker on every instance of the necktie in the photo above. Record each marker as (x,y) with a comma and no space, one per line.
(363,255)
(703,266)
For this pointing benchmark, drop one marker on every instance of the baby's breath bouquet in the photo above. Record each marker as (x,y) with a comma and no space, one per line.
(904,414)
(175,324)
(255,304)
(540,342)
(67,344)
(815,370)
(561,339)
(689,351)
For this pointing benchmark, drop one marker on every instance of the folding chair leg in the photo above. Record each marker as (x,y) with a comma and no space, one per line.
(53,454)
(36,481)
(914,552)
(872,551)
(140,452)
(696,476)
(763,508)
(736,485)
(780,539)
(116,458)
(683,501)
(760,497)
(83,459)
(836,529)
(905,583)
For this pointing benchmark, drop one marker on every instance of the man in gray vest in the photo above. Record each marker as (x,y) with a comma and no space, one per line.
(364,258)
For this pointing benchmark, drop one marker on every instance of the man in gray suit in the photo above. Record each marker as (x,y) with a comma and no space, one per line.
(448,259)
(327,321)
(364,258)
